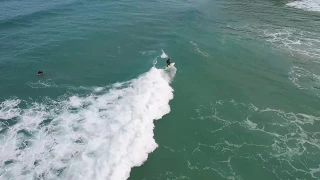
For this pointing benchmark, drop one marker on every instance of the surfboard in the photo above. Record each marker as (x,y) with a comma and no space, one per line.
(171,65)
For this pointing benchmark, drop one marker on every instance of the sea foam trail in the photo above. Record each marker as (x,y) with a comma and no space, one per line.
(309,5)
(95,137)
(164,55)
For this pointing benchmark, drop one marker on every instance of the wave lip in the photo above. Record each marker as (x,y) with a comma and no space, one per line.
(309,5)
(94,137)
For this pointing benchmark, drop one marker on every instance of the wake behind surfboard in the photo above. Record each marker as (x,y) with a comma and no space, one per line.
(170,66)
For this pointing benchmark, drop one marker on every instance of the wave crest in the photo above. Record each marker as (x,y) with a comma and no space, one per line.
(92,137)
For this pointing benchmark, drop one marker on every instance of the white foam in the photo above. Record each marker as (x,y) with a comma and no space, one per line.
(164,55)
(309,5)
(8,109)
(95,137)
(296,41)
(98,89)
(285,137)
(199,50)
(51,84)
(147,52)
(251,124)
(304,79)
(42,84)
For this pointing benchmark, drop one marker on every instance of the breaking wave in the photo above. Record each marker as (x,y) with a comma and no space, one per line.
(84,137)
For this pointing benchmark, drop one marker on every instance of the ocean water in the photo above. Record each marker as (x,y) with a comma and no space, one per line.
(241,103)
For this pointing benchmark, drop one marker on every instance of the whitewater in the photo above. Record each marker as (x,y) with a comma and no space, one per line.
(98,136)
(309,5)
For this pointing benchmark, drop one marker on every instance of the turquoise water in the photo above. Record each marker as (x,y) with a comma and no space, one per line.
(241,102)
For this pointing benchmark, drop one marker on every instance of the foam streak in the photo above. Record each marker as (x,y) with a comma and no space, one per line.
(95,137)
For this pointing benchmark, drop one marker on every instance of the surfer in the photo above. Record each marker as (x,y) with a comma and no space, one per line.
(40,72)
(168,62)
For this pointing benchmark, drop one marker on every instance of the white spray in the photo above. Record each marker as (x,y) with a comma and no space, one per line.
(98,137)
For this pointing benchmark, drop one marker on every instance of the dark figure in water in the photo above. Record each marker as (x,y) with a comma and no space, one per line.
(168,62)
(40,72)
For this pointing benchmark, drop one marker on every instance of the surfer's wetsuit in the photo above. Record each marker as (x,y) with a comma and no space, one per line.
(168,62)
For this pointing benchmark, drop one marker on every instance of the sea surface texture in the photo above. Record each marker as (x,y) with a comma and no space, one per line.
(241,102)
